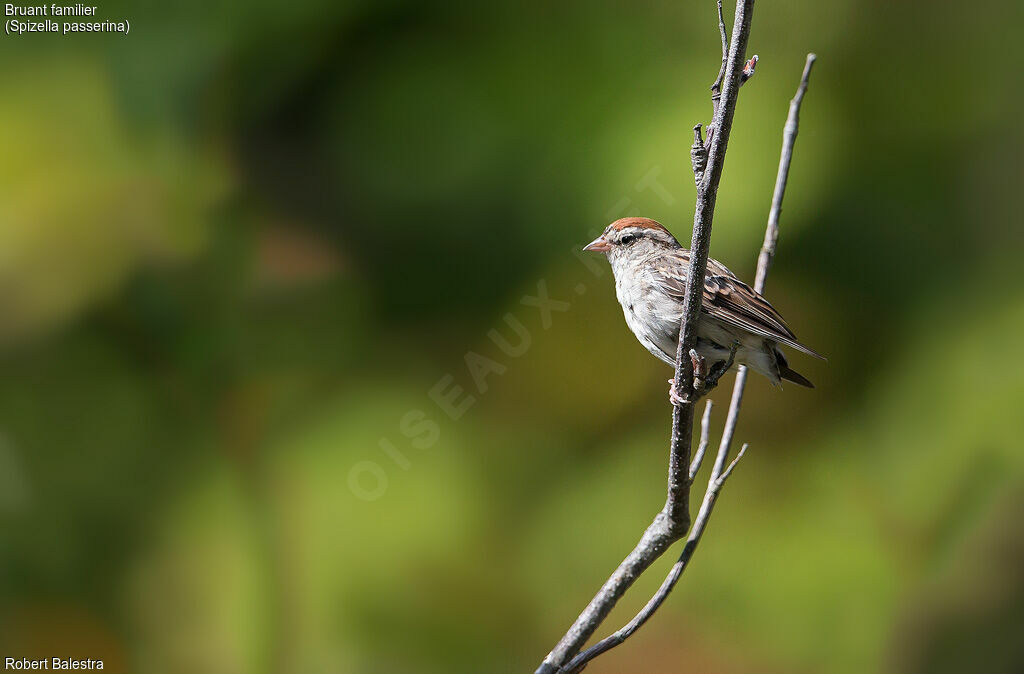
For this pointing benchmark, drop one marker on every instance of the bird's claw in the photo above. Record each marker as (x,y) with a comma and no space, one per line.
(722,367)
(699,377)
(704,378)
(700,370)
(675,397)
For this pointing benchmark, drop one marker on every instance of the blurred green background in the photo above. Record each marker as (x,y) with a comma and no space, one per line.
(240,246)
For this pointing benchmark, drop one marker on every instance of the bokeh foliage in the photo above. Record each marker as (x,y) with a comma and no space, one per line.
(241,244)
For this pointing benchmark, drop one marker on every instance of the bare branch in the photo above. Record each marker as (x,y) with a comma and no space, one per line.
(716,88)
(731,419)
(715,484)
(705,430)
(771,234)
(707,193)
(698,155)
(673,521)
(719,473)
(728,471)
(771,238)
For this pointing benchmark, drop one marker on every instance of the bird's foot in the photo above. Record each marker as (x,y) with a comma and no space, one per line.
(704,378)
(700,370)
(721,367)
(700,373)
(673,394)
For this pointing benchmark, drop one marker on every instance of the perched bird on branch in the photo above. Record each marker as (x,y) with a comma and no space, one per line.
(737,324)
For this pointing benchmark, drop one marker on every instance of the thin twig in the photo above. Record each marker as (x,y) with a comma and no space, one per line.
(716,95)
(719,473)
(698,156)
(771,236)
(702,446)
(673,521)
(715,484)
(771,233)
(732,464)
(716,88)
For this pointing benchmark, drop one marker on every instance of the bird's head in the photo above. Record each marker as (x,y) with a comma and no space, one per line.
(632,237)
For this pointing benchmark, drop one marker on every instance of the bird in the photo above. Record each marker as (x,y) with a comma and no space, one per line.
(736,324)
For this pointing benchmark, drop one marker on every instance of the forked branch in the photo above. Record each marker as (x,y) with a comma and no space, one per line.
(672,522)
(718,475)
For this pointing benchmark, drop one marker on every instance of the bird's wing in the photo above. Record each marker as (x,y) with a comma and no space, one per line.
(729,300)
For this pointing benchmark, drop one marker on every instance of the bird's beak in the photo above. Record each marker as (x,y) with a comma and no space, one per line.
(598,245)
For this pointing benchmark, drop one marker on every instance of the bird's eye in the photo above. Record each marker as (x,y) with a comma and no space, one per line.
(628,239)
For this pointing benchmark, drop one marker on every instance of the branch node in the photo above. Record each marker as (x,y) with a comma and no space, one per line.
(728,471)
(749,67)
(698,155)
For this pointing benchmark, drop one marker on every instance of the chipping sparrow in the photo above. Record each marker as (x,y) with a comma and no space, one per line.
(736,323)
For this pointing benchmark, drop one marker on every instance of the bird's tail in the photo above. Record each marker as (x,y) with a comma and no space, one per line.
(789,374)
(792,375)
